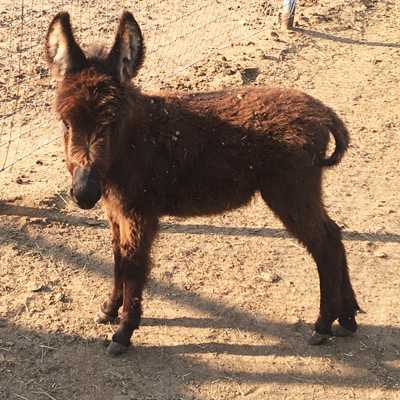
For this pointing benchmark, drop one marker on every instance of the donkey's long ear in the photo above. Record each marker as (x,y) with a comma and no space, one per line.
(127,54)
(63,54)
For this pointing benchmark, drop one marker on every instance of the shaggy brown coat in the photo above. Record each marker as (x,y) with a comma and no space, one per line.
(186,154)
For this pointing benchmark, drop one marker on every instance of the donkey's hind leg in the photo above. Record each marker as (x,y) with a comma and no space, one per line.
(331,255)
(296,200)
(108,312)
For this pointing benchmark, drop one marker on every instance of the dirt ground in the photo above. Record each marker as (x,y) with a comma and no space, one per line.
(232,298)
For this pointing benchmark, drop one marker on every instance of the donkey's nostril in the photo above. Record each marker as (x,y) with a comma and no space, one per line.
(72,194)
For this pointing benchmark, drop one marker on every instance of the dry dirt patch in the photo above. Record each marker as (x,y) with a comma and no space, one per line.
(231,297)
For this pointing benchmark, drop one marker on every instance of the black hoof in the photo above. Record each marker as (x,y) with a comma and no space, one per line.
(340,331)
(348,323)
(116,349)
(103,318)
(317,339)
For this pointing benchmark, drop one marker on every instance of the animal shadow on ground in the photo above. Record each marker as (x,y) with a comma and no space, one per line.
(55,353)
(360,352)
(194,229)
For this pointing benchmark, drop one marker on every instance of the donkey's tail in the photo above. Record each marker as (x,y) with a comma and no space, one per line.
(342,139)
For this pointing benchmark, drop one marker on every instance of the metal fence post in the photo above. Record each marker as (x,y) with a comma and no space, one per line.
(289,9)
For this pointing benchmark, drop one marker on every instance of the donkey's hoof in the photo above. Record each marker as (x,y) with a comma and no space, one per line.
(103,318)
(340,331)
(318,338)
(116,349)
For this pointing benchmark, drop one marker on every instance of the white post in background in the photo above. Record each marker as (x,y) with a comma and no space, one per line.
(289,9)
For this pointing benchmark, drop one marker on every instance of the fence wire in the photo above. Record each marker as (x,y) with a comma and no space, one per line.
(178,34)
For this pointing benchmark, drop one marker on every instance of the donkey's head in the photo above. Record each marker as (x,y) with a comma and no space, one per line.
(91,100)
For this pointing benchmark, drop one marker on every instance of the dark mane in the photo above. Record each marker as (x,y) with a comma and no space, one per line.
(90,95)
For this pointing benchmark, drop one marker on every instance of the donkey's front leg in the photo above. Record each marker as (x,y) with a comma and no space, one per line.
(109,309)
(136,236)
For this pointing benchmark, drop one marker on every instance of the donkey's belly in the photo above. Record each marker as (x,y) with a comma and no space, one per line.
(209,195)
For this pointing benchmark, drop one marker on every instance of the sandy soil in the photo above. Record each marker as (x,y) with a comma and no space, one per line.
(232,298)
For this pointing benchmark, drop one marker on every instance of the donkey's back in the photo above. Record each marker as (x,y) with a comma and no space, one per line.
(213,150)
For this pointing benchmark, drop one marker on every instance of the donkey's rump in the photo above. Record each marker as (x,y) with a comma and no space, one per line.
(270,119)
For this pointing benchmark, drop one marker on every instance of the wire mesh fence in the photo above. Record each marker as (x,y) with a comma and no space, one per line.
(178,34)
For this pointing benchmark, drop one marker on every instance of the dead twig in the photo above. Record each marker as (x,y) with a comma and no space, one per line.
(20,396)
(47,347)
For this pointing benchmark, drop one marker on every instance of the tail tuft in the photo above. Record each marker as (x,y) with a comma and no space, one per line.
(342,139)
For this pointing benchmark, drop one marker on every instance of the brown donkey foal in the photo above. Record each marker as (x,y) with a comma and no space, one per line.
(186,154)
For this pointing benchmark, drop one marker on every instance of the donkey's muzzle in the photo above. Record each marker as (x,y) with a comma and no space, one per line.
(86,189)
